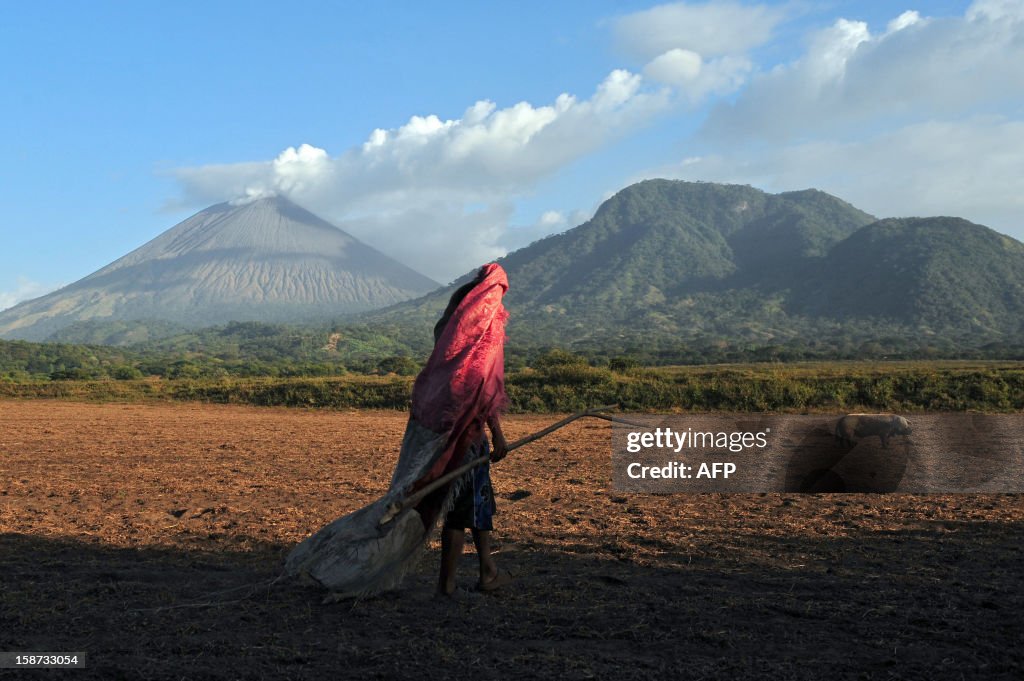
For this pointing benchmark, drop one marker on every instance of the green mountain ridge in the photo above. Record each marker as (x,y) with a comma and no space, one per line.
(682,271)
(665,264)
(944,272)
(661,238)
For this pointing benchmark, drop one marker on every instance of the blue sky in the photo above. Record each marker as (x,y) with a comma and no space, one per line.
(446,134)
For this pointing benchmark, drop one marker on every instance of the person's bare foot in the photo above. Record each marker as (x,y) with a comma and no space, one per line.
(455,596)
(501,579)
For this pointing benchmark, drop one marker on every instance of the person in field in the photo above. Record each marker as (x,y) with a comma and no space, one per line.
(461,390)
(458,395)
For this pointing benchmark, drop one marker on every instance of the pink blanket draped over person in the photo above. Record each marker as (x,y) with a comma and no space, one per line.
(461,388)
(462,385)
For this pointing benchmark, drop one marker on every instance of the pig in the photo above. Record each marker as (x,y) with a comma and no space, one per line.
(852,427)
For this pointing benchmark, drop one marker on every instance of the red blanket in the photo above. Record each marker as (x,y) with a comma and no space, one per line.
(463,384)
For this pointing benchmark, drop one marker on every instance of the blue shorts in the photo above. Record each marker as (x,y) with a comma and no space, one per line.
(474,507)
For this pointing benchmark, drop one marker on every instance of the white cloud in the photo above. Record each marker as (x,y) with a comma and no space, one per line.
(830,51)
(294,171)
(699,50)
(550,222)
(441,239)
(298,170)
(24,289)
(918,69)
(708,29)
(908,18)
(996,10)
(695,78)
(409,191)
(675,66)
(552,218)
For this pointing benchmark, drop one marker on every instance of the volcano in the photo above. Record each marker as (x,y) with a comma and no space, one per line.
(266,260)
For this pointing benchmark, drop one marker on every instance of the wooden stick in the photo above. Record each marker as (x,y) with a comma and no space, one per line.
(397,507)
(619,419)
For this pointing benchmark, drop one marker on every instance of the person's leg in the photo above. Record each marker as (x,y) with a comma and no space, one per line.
(488,568)
(491,578)
(453,533)
(452,541)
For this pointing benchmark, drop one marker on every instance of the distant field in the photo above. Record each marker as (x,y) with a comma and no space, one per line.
(798,387)
(851,367)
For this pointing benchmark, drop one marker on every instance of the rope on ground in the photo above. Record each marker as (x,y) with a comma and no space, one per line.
(266,583)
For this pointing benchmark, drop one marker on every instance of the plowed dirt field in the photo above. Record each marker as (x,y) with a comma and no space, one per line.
(147,535)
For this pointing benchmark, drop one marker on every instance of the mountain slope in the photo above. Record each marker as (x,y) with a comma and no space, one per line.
(647,251)
(659,238)
(663,264)
(941,272)
(267,260)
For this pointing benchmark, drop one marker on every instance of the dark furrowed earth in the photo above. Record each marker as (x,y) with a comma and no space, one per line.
(148,536)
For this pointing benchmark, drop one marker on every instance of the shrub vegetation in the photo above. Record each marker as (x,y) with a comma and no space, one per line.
(559,381)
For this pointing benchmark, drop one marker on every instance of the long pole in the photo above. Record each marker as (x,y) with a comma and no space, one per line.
(397,507)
